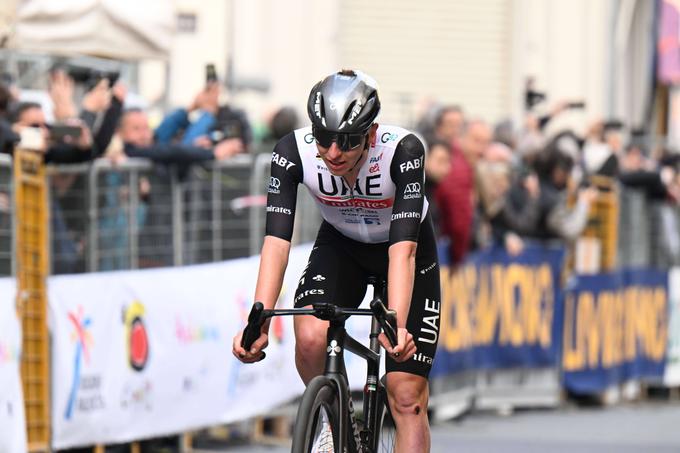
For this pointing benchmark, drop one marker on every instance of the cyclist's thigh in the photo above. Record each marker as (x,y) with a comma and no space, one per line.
(331,276)
(423,321)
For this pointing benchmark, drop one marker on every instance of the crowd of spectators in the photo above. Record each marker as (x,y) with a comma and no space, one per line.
(503,185)
(99,123)
(488,184)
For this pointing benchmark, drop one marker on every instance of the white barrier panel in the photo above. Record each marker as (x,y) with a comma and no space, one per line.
(672,373)
(12,419)
(148,353)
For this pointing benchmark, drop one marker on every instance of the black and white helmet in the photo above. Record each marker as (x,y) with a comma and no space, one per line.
(346,101)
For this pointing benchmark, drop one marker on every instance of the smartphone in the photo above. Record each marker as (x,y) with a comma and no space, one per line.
(210,73)
(59,132)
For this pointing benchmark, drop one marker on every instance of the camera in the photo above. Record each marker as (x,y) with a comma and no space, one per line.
(531,96)
(87,76)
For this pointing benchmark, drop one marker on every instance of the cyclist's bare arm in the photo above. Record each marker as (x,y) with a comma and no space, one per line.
(407,171)
(273,262)
(286,174)
(400,275)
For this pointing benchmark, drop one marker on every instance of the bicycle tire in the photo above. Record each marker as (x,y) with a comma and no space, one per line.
(386,435)
(310,434)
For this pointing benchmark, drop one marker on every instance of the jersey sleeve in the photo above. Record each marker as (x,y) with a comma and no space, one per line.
(407,173)
(286,174)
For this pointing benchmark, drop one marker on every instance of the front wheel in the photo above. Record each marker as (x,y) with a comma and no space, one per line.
(386,434)
(316,427)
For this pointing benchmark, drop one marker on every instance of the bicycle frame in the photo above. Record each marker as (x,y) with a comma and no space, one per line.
(335,370)
(337,341)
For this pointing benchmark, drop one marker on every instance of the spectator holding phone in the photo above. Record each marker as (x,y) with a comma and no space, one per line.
(64,143)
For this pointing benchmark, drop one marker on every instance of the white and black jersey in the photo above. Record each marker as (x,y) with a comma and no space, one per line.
(387,202)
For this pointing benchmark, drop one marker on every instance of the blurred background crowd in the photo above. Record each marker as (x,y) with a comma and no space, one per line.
(489,183)
(524,134)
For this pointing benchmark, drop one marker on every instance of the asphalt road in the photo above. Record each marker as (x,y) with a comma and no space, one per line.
(640,427)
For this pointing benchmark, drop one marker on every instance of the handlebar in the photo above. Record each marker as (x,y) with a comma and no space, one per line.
(387,320)
(258,315)
(252,330)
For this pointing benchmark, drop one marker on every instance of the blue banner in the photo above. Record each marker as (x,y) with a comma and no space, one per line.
(615,328)
(500,311)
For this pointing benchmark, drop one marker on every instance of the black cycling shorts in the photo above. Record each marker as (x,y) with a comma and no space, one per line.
(337,273)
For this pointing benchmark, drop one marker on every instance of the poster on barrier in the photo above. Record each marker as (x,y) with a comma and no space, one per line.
(615,329)
(12,419)
(498,311)
(148,353)
(672,373)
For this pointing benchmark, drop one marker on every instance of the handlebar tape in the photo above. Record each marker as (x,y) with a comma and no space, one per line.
(387,319)
(252,330)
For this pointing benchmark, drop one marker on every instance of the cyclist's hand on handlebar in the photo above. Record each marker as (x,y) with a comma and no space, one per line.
(255,354)
(404,350)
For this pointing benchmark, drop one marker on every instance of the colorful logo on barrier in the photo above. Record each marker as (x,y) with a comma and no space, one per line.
(8,353)
(83,340)
(188,332)
(136,336)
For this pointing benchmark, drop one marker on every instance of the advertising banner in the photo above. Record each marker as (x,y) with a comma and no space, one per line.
(672,373)
(12,418)
(498,311)
(615,329)
(147,353)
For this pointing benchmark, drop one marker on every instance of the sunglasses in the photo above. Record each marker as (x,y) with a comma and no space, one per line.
(345,141)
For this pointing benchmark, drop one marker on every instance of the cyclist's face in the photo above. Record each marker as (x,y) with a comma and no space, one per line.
(339,162)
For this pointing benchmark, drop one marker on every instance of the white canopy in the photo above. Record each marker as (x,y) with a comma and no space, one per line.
(117,29)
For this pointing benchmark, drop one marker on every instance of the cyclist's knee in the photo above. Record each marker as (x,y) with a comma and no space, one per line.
(309,343)
(408,394)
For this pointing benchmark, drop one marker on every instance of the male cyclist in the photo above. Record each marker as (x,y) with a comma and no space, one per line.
(367,180)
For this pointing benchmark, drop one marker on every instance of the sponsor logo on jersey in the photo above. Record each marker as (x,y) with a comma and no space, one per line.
(309,138)
(405,215)
(420,357)
(412,190)
(428,268)
(274,184)
(279,210)
(411,165)
(309,292)
(342,202)
(282,161)
(364,220)
(429,331)
(318,278)
(375,159)
(368,186)
(388,137)
(373,168)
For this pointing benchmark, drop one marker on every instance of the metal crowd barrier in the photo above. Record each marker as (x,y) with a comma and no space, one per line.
(139,215)
(7,226)
(649,231)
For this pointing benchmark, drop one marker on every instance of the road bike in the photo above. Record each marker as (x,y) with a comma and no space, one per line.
(326,420)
